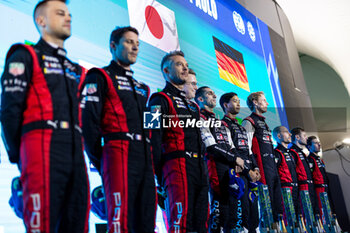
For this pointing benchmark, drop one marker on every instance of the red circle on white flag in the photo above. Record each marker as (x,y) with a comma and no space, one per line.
(154,22)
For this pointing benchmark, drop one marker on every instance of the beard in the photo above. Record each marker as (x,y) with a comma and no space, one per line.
(302,143)
(63,35)
(178,81)
(211,104)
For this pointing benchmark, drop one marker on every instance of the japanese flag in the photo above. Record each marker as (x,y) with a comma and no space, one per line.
(155,23)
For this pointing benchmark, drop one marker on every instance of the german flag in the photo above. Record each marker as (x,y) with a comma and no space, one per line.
(231,65)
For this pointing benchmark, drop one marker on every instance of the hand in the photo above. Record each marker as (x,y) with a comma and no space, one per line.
(253,176)
(258,176)
(240,162)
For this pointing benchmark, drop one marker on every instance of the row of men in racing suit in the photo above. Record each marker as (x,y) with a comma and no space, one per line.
(284,167)
(42,120)
(48,103)
(299,171)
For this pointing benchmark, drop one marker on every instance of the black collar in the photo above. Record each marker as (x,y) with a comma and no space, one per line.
(44,46)
(230,118)
(282,148)
(259,116)
(116,68)
(173,90)
(207,113)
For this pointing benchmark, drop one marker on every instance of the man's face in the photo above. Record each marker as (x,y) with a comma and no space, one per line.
(209,98)
(55,20)
(315,146)
(285,136)
(190,86)
(127,49)
(261,104)
(177,70)
(301,138)
(234,105)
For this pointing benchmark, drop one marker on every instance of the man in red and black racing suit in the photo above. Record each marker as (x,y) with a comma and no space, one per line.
(178,151)
(260,144)
(41,129)
(113,105)
(305,181)
(318,170)
(286,164)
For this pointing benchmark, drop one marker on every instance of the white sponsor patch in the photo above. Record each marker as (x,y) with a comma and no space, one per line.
(16,68)
(14,89)
(92,98)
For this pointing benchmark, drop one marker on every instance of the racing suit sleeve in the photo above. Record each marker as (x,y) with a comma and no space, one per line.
(283,170)
(219,151)
(14,84)
(93,93)
(158,102)
(250,134)
(311,164)
(278,158)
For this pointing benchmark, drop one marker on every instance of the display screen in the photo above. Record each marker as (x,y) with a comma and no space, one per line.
(228,47)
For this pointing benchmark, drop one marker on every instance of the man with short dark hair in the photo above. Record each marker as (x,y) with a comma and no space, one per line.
(317,168)
(230,104)
(299,141)
(113,105)
(260,144)
(226,210)
(286,164)
(177,150)
(41,125)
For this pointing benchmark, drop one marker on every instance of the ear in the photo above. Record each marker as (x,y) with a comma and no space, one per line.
(166,70)
(112,45)
(200,98)
(279,136)
(255,102)
(225,105)
(40,21)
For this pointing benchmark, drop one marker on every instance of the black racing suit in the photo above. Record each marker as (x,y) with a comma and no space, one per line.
(240,141)
(226,211)
(298,154)
(40,126)
(260,141)
(113,105)
(287,172)
(179,162)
